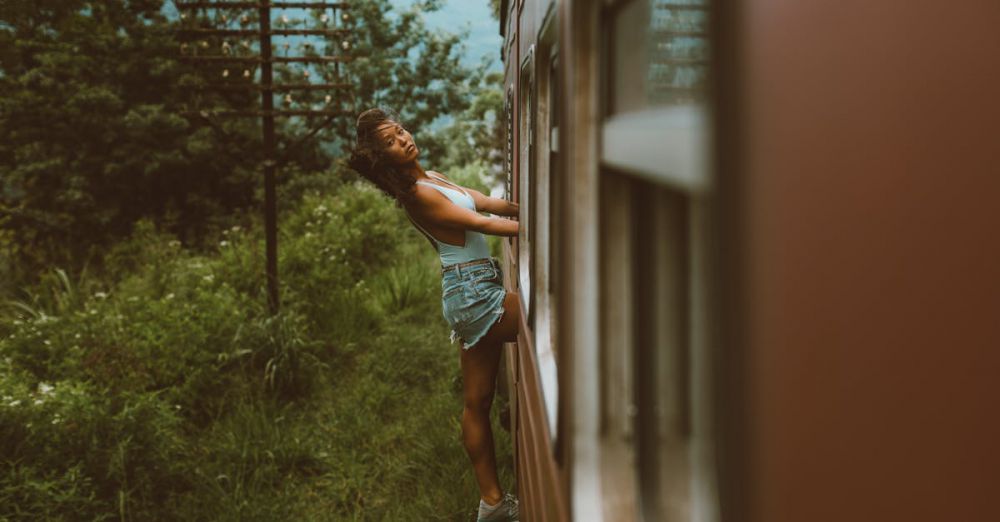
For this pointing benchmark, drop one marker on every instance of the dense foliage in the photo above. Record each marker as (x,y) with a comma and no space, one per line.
(96,130)
(170,393)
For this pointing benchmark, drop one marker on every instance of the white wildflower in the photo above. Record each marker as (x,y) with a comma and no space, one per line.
(174,243)
(133,299)
(77,336)
(223,243)
(37,402)
(169,296)
(14,403)
(47,342)
(101,295)
(209,278)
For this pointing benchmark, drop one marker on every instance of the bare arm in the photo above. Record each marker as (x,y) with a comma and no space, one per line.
(433,207)
(484,203)
(500,207)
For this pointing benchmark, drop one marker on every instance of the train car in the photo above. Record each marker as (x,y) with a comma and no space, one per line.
(607,133)
(756,261)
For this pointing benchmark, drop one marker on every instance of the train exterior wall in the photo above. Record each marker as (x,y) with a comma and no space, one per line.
(860,158)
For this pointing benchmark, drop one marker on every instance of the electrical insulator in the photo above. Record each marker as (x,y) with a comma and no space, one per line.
(345,45)
(345,17)
(328,98)
(225,73)
(246,73)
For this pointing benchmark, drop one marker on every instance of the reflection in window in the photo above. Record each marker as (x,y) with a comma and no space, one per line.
(667,64)
(678,52)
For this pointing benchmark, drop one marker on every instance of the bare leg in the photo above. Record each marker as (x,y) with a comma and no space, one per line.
(479,372)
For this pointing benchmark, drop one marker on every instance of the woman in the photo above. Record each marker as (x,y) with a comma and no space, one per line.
(481,313)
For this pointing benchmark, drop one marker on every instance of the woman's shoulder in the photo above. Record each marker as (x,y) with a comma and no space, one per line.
(424,194)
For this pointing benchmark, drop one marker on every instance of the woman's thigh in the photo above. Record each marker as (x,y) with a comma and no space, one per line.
(480,362)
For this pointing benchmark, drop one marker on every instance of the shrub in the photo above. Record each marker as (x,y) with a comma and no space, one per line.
(71,452)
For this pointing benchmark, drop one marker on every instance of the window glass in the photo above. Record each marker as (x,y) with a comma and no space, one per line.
(525,174)
(508,111)
(664,64)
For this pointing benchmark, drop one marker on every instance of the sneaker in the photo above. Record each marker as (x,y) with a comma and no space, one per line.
(505,510)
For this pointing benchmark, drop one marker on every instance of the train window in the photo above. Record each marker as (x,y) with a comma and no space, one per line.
(508,113)
(526,168)
(667,64)
(555,209)
(544,231)
(654,183)
(656,121)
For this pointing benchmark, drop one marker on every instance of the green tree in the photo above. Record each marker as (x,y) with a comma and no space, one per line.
(475,135)
(91,132)
(403,65)
(93,137)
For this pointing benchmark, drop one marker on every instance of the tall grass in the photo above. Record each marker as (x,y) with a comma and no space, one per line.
(163,390)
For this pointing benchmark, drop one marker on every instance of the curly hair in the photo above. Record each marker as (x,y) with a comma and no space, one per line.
(368,158)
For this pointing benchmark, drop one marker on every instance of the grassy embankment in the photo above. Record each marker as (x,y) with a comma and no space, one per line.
(168,393)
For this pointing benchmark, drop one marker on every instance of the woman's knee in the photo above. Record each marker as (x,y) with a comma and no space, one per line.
(480,404)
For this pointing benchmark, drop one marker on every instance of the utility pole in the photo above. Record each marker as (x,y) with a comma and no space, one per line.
(196,15)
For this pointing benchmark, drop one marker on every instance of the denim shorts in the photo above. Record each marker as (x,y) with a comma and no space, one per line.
(472,300)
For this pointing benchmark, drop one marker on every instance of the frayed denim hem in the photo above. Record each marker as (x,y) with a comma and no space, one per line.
(499,315)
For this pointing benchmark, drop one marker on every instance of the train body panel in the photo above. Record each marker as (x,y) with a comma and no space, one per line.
(756,261)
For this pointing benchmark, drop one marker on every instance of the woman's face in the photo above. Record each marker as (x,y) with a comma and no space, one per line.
(397,143)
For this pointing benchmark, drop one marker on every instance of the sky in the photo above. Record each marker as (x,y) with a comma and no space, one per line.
(484,32)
